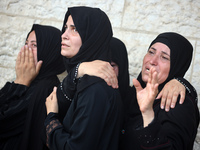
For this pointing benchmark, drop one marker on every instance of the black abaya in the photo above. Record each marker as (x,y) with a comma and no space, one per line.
(22,109)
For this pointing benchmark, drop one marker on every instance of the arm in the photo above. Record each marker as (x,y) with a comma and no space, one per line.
(84,126)
(171,130)
(146,96)
(100,69)
(26,71)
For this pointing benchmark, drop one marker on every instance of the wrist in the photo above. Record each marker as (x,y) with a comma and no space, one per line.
(80,72)
(22,82)
(148,117)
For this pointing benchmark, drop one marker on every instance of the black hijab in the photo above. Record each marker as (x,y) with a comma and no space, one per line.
(120,57)
(48,50)
(48,44)
(181,52)
(95,31)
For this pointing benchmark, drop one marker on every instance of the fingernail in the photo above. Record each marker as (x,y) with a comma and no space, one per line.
(172,106)
(162,107)
(166,109)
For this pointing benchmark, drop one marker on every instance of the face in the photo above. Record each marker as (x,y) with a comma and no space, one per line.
(71,40)
(115,67)
(158,56)
(32,43)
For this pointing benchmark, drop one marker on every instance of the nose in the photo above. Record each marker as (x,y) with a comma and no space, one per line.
(154,60)
(65,34)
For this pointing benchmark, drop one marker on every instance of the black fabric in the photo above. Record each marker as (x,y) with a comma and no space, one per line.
(92,121)
(23,108)
(93,118)
(181,52)
(95,31)
(120,57)
(49,50)
(171,130)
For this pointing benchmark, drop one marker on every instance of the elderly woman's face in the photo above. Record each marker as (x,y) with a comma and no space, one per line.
(158,56)
(71,40)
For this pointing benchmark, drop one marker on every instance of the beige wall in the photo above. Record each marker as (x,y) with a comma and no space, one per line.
(135,22)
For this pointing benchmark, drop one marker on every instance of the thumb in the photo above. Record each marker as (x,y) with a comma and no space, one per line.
(137,85)
(38,66)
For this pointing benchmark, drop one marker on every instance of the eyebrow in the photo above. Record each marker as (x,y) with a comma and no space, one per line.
(162,51)
(31,41)
(72,26)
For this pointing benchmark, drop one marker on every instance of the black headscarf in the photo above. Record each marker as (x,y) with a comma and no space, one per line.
(48,44)
(120,57)
(95,31)
(181,52)
(49,51)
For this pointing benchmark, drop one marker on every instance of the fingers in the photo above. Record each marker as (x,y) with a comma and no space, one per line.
(30,56)
(170,94)
(18,60)
(22,55)
(182,93)
(38,66)
(26,54)
(137,85)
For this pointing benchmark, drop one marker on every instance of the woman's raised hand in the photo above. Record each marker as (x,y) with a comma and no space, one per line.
(26,68)
(146,96)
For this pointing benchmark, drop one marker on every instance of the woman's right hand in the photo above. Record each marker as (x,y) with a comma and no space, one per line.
(100,69)
(146,96)
(26,69)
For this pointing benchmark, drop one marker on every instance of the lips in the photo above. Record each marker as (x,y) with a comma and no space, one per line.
(64,45)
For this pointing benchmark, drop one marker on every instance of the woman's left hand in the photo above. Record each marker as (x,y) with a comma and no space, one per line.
(51,102)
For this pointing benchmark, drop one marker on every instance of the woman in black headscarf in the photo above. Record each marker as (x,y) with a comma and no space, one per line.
(155,128)
(93,118)
(22,106)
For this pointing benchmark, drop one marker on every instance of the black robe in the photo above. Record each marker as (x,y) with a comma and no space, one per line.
(93,118)
(22,109)
(173,130)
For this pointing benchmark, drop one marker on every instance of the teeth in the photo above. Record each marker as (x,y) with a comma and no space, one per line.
(147,69)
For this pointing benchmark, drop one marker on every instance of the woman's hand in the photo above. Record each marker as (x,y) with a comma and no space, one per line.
(100,69)
(170,94)
(26,70)
(146,96)
(51,102)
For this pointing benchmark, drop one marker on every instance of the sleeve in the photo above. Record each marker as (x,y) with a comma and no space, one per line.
(12,109)
(189,88)
(84,129)
(174,130)
(10,95)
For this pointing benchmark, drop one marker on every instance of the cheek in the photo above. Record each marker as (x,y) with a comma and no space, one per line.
(163,74)
(77,45)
